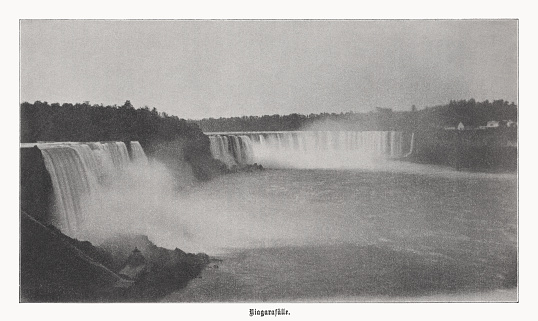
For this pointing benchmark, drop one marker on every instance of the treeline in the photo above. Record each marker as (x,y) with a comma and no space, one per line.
(469,112)
(480,150)
(41,121)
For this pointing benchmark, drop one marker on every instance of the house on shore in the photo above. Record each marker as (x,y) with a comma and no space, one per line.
(135,267)
(460,126)
(493,124)
(499,124)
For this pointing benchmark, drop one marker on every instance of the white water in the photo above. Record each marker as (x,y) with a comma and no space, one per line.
(350,235)
(310,149)
(220,149)
(71,180)
(397,232)
(137,153)
(291,234)
(77,172)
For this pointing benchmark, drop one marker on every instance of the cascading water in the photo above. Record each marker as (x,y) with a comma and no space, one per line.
(412,147)
(309,149)
(246,150)
(231,149)
(72,180)
(111,159)
(137,153)
(77,170)
(118,153)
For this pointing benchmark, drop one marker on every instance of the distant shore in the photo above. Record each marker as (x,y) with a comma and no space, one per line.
(493,150)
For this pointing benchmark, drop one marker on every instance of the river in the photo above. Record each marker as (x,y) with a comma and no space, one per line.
(401,232)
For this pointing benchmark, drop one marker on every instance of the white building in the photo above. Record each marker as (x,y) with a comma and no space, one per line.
(460,126)
(492,124)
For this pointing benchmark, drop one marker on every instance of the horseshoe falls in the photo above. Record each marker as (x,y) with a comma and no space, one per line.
(310,149)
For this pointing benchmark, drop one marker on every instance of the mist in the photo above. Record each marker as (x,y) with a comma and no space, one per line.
(149,200)
(325,145)
(251,210)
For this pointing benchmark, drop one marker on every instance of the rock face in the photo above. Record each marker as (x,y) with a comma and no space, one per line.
(246,168)
(156,271)
(135,268)
(36,185)
(57,268)
(476,150)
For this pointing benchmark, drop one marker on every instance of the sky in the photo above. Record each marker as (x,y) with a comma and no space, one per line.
(221,68)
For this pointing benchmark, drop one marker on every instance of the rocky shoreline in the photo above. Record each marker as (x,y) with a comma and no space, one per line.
(245,168)
(126,268)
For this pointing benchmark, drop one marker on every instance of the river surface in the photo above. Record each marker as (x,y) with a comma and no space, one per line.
(404,233)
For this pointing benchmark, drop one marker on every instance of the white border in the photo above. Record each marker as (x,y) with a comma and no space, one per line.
(266,10)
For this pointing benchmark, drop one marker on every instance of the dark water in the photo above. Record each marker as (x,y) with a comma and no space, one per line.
(423,233)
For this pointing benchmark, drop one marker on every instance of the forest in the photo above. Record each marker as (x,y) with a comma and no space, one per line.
(164,136)
(41,121)
(471,113)
(171,139)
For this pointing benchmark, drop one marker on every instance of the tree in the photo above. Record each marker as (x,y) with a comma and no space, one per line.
(127,105)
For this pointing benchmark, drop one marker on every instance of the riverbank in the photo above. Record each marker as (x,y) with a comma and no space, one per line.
(492,150)
(57,268)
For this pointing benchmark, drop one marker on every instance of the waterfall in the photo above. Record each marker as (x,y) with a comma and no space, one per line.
(76,171)
(246,149)
(72,179)
(310,149)
(118,153)
(137,153)
(231,149)
(412,147)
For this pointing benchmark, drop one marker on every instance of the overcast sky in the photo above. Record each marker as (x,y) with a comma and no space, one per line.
(196,69)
